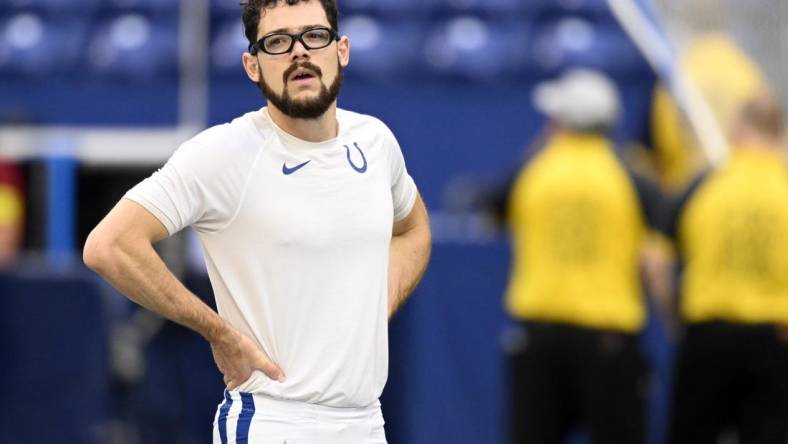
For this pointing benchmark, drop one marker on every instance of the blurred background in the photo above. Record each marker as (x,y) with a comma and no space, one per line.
(96,94)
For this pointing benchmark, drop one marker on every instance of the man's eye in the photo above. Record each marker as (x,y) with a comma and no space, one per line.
(316,36)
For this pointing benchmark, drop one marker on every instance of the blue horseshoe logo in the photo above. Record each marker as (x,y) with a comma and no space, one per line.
(362,169)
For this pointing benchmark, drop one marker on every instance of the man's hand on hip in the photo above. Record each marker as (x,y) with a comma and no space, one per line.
(237,356)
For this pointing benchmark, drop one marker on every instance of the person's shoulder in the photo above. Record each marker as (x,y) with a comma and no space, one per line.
(236,133)
(219,146)
(354,121)
(227,139)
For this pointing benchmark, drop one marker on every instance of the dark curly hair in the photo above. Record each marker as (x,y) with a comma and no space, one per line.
(253,9)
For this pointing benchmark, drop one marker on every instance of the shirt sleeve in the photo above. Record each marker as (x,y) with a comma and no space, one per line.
(186,192)
(403,188)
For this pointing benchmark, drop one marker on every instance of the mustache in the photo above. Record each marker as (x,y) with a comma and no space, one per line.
(306,65)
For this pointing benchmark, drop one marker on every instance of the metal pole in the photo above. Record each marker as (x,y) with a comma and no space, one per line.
(193,46)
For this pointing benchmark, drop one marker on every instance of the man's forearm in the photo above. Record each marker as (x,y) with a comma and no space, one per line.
(408,258)
(136,270)
(408,261)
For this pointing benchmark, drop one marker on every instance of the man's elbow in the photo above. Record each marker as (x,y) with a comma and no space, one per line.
(425,233)
(427,243)
(96,253)
(426,228)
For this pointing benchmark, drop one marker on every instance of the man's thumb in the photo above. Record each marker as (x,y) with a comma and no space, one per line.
(270,369)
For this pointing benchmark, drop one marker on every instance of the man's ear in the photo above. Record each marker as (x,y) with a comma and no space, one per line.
(250,66)
(343,51)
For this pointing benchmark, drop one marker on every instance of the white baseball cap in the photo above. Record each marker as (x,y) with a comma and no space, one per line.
(580,98)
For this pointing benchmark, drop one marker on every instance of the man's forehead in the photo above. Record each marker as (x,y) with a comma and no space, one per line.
(292,18)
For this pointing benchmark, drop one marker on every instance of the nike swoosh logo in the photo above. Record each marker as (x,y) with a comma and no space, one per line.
(288,171)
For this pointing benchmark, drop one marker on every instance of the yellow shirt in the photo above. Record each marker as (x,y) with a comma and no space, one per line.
(734,238)
(577,228)
(702,62)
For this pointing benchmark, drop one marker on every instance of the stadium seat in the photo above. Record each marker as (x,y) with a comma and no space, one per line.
(133,46)
(620,55)
(583,7)
(50,6)
(477,49)
(482,7)
(383,48)
(227,45)
(226,9)
(33,45)
(577,42)
(401,8)
(149,6)
(554,39)
(592,10)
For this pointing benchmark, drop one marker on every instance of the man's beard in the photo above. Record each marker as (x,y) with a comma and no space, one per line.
(308,108)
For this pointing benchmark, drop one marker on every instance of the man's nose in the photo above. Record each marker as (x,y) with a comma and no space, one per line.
(299,51)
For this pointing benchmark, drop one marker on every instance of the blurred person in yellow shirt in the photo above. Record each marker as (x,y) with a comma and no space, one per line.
(579,221)
(731,226)
(11,212)
(677,153)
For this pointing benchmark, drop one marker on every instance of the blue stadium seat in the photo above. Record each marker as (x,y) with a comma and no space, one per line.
(33,45)
(580,7)
(470,47)
(621,56)
(383,48)
(484,7)
(133,46)
(402,8)
(227,46)
(553,40)
(51,6)
(225,9)
(576,42)
(149,6)
(596,11)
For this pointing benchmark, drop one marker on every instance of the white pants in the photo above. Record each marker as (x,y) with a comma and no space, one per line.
(244,418)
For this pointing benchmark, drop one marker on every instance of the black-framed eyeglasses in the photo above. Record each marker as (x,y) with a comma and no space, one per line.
(283,42)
